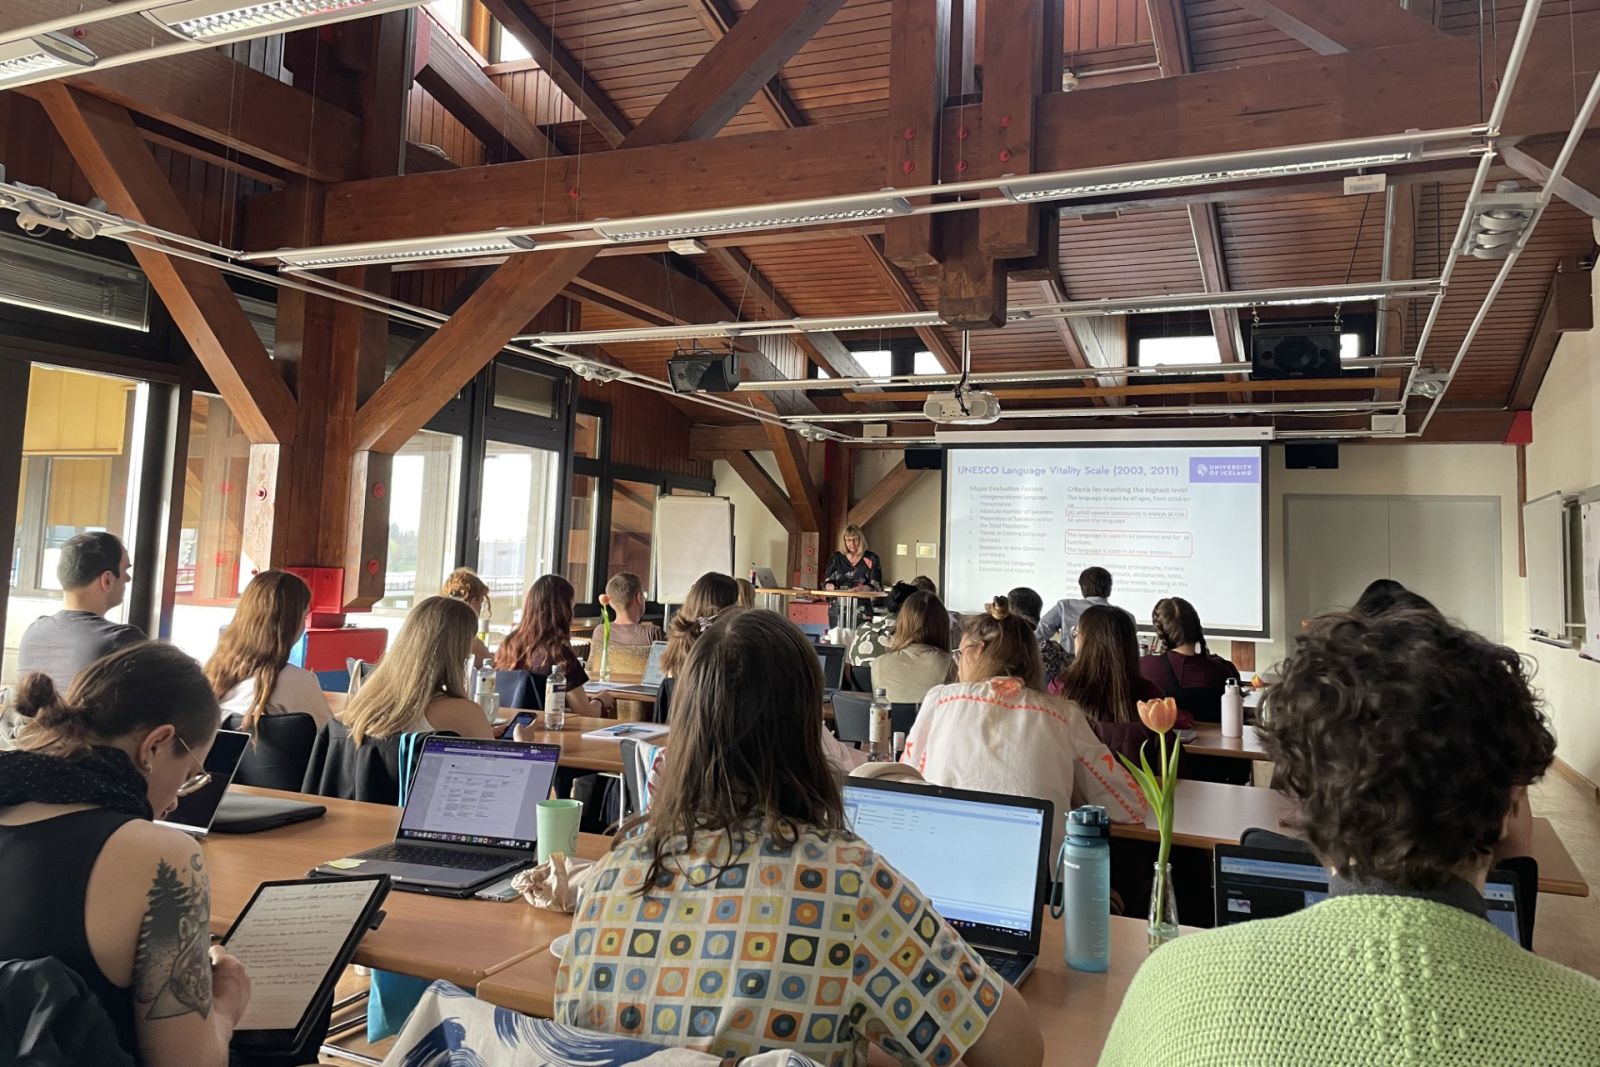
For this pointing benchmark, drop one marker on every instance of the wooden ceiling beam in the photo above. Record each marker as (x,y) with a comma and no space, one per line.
(1367,93)
(904,298)
(823,349)
(112,153)
(795,466)
(1568,306)
(719,17)
(1331,26)
(453,78)
(648,285)
(568,74)
(739,64)
(1579,183)
(895,480)
(919,57)
(762,484)
(708,441)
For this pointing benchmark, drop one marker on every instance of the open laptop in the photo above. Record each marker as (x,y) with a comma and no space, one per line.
(195,812)
(1264,883)
(765,579)
(650,684)
(832,659)
(980,857)
(470,818)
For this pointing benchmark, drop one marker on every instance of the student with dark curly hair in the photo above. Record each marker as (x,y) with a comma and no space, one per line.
(1410,744)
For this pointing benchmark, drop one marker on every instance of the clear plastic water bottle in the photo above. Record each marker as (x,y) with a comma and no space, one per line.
(487,698)
(880,746)
(1084,871)
(555,699)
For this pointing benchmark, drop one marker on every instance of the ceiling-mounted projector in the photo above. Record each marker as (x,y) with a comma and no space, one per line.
(971,408)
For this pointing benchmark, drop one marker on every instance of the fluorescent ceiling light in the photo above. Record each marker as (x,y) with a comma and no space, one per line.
(1209,170)
(439,248)
(1184,434)
(226,20)
(36,55)
(841,210)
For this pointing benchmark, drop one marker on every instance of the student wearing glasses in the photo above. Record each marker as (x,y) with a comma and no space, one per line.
(1409,745)
(91,881)
(741,915)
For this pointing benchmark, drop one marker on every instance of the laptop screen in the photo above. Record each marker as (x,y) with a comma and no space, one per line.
(1258,883)
(475,792)
(832,659)
(653,674)
(979,856)
(195,811)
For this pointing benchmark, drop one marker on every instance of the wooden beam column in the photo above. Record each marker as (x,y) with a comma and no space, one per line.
(919,48)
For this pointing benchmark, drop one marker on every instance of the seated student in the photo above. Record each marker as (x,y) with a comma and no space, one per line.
(420,683)
(872,638)
(741,915)
(1053,658)
(1095,585)
(1181,666)
(250,671)
(747,592)
(1386,594)
(467,587)
(919,655)
(93,571)
(626,599)
(710,594)
(543,637)
(91,881)
(1104,681)
(1409,745)
(998,731)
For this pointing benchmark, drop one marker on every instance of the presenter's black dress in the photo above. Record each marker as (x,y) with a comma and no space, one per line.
(842,574)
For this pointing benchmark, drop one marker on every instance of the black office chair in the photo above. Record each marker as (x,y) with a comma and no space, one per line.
(852,717)
(523,690)
(359,670)
(903,716)
(861,677)
(370,771)
(632,778)
(277,757)
(832,660)
(52,1016)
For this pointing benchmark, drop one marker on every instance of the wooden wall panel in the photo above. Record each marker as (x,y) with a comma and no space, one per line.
(1303,240)
(531,91)
(1141,254)
(647,429)
(428,123)
(1222,35)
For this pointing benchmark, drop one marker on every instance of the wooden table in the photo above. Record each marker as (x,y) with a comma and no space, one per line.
(1208,741)
(584,753)
(1073,1008)
(1558,873)
(425,936)
(1212,813)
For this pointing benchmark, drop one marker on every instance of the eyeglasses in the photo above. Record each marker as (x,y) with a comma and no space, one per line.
(1072,634)
(197,781)
(963,649)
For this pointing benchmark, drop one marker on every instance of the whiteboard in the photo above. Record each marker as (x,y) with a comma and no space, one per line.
(1544,527)
(693,535)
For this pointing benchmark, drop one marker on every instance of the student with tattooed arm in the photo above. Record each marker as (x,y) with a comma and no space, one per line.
(90,880)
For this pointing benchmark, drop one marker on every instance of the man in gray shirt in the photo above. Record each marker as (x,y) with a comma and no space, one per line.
(1095,585)
(94,572)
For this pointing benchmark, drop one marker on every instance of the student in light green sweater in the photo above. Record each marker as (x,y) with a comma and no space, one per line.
(1410,744)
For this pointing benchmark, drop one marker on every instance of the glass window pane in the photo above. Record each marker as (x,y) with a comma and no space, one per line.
(586,436)
(510,48)
(1349,346)
(447,12)
(582,506)
(81,450)
(1159,351)
(926,363)
(517,523)
(211,573)
(633,514)
(516,389)
(423,491)
(875,363)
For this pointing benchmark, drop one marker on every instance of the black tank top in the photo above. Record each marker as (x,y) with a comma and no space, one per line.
(44,867)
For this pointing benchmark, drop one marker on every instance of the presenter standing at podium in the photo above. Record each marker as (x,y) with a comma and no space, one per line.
(853,567)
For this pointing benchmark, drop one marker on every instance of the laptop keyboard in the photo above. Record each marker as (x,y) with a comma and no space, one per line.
(1007,966)
(437,857)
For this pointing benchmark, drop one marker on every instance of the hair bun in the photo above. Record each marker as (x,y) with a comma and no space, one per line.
(37,698)
(1000,608)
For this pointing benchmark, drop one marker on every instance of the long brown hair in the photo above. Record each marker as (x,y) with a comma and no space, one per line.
(428,659)
(746,753)
(1105,674)
(710,594)
(543,637)
(256,644)
(921,620)
(133,690)
(1177,623)
(1008,650)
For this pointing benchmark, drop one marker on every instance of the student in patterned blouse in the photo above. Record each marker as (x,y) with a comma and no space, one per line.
(741,916)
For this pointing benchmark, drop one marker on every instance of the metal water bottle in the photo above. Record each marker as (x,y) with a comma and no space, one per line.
(1232,710)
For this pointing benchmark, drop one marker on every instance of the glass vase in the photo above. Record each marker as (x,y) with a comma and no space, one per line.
(1163,924)
(605,658)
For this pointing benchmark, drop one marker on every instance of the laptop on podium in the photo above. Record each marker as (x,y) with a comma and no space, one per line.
(982,859)
(471,817)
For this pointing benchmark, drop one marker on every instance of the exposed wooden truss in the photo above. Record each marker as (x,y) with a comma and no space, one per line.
(455,79)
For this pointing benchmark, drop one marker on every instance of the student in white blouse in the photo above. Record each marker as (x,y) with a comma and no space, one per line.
(250,672)
(997,731)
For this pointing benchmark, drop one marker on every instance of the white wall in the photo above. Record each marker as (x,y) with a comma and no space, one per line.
(1565,457)
(910,518)
(758,538)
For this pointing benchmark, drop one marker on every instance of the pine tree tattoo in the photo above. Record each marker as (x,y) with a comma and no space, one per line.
(172,965)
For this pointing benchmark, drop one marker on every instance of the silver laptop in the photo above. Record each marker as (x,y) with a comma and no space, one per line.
(653,674)
(471,817)
(994,895)
(195,812)
(765,579)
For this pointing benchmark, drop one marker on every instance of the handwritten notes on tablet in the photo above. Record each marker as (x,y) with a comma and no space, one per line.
(288,941)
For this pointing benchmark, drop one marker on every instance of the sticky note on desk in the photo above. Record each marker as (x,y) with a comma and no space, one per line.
(344,865)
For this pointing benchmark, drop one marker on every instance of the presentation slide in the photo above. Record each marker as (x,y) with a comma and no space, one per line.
(1165,521)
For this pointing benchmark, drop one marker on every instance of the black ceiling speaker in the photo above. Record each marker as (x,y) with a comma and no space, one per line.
(925,459)
(1311,456)
(701,370)
(1279,352)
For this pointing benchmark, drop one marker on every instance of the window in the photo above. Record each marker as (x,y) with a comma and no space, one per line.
(1349,345)
(876,362)
(524,391)
(633,514)
(517,521)
(82,445)
(588,433)
(451,13)
(211,571)
(925,362)
(583,505)
(507,48)
(1178,351)
(423,489)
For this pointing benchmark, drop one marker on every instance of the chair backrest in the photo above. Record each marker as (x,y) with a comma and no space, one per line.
(861,677)
(832,660)
(852,717)
(52,1017)
(902,716)
(277,757)
(372,771)
(632,789)
(520,689)
(359,670)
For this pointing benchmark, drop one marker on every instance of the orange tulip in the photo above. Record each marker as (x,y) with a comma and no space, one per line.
(1159,715)
(604,599)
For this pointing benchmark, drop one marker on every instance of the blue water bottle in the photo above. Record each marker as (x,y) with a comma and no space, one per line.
(1084,870)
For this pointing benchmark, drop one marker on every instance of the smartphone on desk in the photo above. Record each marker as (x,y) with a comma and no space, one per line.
(522,718)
